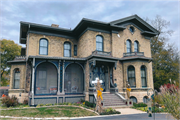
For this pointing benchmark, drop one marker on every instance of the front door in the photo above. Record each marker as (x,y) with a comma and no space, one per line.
(101,72)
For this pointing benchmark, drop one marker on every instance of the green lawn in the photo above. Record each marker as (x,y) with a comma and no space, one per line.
(54,111)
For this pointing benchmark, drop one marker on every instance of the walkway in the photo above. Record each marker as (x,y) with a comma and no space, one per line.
(125,111)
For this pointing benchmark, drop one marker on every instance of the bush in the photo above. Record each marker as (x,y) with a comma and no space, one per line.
(170,96)
(25,102)
(82,100)
(109,111)
(139,105)
(88,104)
(7,101)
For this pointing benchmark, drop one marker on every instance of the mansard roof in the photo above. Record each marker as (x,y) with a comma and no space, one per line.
(86,24)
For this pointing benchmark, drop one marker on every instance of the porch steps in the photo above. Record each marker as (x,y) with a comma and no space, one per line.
(112,100)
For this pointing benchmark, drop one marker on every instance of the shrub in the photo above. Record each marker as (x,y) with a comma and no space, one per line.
(88,104)
(139,105)
(25,102)
(170,96)
(109,111)
(82,100)
(7,101)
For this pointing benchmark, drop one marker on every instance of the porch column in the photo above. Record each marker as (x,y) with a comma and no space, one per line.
(59,67)
(33,65)
(63,78)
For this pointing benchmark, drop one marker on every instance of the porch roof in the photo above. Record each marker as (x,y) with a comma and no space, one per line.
(57,58)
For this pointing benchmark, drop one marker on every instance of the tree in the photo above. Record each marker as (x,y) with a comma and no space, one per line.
(9,50)
(165,56)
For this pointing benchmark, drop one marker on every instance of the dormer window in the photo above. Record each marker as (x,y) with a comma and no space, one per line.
(43,47)
(99,43)
(131,29)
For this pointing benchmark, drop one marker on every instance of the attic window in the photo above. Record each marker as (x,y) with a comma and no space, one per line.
(131,29)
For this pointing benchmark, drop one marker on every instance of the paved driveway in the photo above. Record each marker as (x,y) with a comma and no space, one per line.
(141,116)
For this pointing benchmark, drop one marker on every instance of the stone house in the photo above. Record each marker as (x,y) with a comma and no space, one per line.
(58,65)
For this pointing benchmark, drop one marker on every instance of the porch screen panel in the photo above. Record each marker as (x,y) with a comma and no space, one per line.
(46,79)
(131,76)
(73,79)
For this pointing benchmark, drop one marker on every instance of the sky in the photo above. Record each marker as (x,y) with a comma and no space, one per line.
(68,13)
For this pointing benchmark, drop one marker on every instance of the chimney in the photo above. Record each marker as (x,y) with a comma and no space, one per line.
(54,25)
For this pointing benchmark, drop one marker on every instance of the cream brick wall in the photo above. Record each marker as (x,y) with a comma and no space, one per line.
(139,95)
(22,68)
(144,44)
(55,45)
(118,75)
(87,43)
(20,98)
(137,65)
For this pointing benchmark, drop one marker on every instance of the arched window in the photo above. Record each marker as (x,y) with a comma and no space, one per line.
(143,76)
(133,99)
(67,49)
(43,47)
(73,79)
(128,46)
(145,99)
(131,76)
(46,79)
(136,46)
(99,43)
(16,78)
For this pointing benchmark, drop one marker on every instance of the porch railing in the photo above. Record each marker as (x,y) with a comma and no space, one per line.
(23,57)
(102,53)
(133,54)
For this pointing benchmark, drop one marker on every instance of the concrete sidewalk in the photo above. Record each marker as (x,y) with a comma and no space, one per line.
(125,111)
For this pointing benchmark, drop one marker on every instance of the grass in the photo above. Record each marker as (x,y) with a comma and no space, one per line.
(157,110)
(54,111)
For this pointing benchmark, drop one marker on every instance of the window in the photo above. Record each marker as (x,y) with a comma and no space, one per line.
(128,45)
(145,99)
(131,76)
(43,47)
(99,43)
(133,99)
(46,79)
(67,49)
(75,50)
(131,29)
(143,76)
(136,46)
(16,78)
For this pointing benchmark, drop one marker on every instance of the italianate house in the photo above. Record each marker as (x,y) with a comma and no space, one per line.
(58,65)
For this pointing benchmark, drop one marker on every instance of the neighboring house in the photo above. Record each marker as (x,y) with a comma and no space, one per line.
(59,65)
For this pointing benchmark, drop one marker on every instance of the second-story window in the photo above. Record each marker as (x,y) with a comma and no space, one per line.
(67,49)
(136,46)
(128,46)
(75,50)
(43,47)
(99,43)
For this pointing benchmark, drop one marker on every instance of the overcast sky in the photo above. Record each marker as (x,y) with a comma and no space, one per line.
(68,13)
